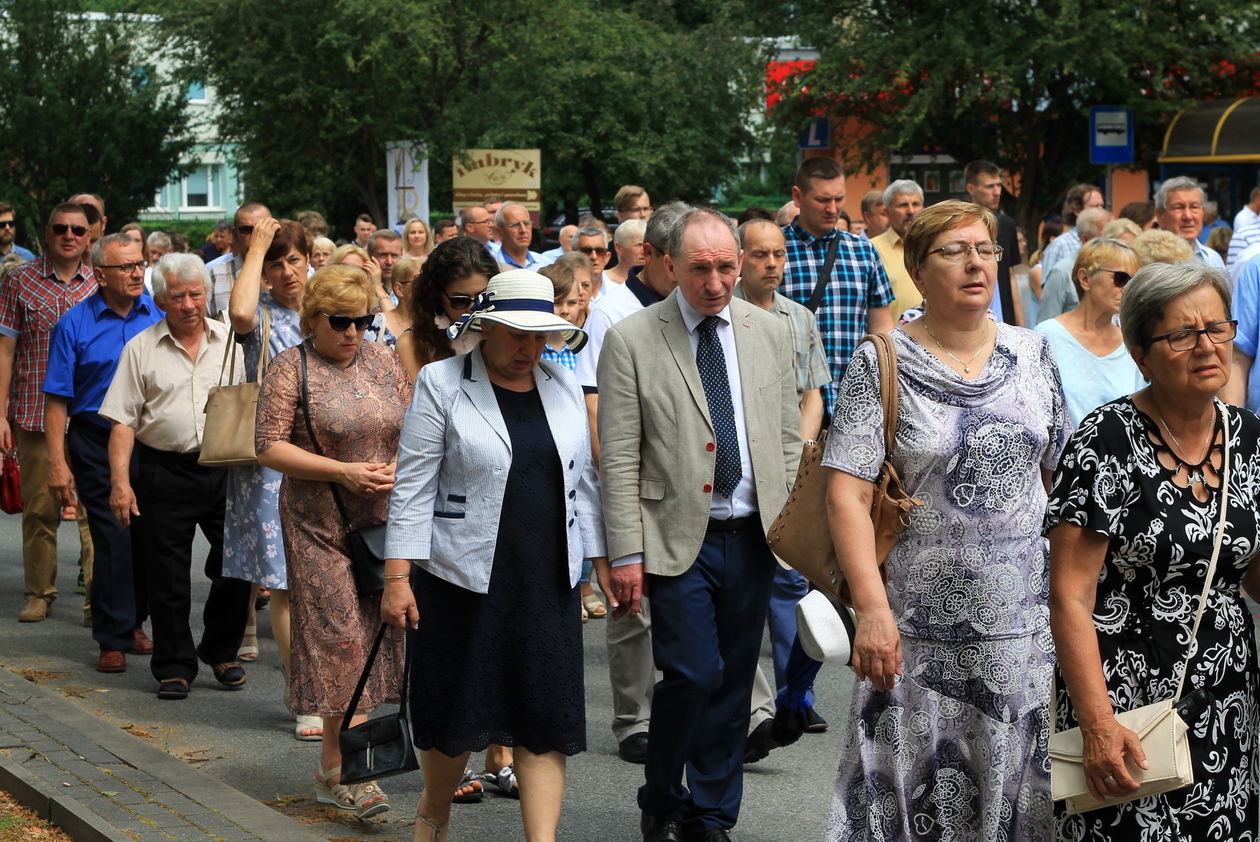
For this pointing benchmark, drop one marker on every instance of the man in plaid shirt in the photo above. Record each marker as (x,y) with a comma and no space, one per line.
(857,296)
(34,298)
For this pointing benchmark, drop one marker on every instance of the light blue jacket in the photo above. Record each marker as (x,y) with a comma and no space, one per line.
(453,462)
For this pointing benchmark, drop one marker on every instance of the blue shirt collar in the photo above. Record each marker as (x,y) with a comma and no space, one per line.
(100,308)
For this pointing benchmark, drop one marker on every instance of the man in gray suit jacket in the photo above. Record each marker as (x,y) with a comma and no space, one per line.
(700,436)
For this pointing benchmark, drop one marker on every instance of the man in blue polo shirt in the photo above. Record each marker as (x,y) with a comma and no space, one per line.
(85,348)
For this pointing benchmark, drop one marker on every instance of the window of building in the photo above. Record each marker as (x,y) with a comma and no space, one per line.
(197,92)
(200,187)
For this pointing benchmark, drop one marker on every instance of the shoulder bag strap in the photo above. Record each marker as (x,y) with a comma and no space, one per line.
(227,352)
(319,451)
(367,670)
(824,274)
(264,352)
(889,388)
(1216,553)
(1203,594)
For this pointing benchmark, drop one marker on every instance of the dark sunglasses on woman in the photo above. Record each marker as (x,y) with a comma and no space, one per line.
(342,323)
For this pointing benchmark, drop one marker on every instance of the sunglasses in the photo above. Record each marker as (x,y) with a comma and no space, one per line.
(589,250)
(342,323)
(60,228)
(244,230)
(1121,278)
(7,223)
(460,302)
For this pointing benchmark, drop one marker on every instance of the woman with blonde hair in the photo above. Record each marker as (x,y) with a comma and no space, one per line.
(322,250)
(416,239)
(329,416)
(1088,349)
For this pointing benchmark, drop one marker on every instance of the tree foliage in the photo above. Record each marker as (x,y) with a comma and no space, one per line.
(608,95)
(83,108)
(1013,81)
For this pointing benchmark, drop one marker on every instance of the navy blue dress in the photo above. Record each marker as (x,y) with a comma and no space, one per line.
(505,667)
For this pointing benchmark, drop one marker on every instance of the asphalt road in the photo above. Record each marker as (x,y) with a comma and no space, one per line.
(245,738)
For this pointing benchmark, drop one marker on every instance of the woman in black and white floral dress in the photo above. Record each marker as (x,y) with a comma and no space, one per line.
(1131,521)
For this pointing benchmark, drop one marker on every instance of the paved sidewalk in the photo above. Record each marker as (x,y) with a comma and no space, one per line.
(99,782)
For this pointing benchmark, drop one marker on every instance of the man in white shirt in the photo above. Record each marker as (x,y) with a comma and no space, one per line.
(1179,208)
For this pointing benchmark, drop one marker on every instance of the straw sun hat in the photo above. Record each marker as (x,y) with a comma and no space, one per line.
(523,300)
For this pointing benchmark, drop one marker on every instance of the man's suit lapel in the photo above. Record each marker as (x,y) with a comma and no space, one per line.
(675,332)
(476,384)
(749,356)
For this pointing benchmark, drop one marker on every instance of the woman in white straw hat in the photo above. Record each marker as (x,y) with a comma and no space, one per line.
(495,507)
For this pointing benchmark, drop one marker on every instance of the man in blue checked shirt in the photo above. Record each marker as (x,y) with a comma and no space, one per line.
(856,298)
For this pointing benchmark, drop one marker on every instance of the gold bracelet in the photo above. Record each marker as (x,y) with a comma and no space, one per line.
(392,576)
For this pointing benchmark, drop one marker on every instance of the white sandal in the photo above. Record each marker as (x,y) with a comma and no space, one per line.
(308,723)
(337,795)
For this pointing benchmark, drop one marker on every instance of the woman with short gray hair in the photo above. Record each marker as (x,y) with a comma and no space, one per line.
(1132,522)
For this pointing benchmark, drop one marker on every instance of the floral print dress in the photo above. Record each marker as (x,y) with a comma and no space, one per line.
(958,748)
(253,548)
(1118,477)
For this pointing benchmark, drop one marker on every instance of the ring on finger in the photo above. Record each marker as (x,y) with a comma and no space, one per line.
(1110,779)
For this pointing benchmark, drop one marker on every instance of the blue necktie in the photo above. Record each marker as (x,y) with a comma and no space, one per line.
(717,391)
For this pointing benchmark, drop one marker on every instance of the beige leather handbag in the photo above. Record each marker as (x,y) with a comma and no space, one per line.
(800,534)
(228,439)
(1159,726)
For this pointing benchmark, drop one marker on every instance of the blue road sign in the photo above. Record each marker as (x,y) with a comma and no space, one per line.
(817,134)
(1110,135)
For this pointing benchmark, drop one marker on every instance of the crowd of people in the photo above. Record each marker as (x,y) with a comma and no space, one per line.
(608,429)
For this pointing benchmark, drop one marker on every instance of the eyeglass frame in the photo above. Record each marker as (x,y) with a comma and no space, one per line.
(360,323)
(1115,276)
(998,251)
(126,268)
(450,299)
(1203,331)
(77,230)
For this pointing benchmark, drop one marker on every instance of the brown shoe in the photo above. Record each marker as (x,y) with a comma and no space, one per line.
(142,645)
(37,610)
(111,661)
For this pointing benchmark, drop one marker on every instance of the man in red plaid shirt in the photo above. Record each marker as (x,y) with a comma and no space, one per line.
(34,297)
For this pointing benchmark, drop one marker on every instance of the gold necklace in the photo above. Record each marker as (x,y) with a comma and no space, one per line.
(966,364)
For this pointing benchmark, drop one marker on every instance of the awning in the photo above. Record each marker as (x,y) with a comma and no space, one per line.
(1219,132)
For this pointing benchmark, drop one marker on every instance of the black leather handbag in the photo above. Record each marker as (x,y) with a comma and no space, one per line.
(380,747)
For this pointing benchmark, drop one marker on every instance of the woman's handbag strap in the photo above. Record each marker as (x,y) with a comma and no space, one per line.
(886,360)
(319,451)
(367,670)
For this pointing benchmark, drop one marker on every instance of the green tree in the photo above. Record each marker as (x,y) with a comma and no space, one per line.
(1013,81)
(83,108)
(615,98)
(609,96)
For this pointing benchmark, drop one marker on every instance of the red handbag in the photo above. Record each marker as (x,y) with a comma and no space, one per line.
(10,484)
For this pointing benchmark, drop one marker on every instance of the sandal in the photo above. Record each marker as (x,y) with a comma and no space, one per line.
(593,605)
(504,780)
(369,800)
(472,782)
(437,828)
(337,795)
(248,650)
(308,723)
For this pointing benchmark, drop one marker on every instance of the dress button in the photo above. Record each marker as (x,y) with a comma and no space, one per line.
(572,494)
(707,487)
(570,464)
(710,446)
(570,521)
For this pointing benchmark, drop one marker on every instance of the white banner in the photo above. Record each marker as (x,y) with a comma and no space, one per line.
(407,174)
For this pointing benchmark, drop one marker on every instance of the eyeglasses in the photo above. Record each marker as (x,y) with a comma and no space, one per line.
(60,228)
(955,252)
(519,226)
(244,230)
(589,250)
(1121,278)
(7,223)
(460,302)
(342,323)
(125,268)
(1184,340)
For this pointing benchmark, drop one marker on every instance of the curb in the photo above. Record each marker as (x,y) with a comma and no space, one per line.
(80,821)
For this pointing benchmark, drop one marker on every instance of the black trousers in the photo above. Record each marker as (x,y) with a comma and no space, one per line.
(120,587)
(176,495)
